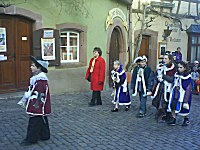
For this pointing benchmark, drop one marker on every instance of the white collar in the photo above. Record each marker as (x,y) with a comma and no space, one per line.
(165,68)
(182,77)
(40,76)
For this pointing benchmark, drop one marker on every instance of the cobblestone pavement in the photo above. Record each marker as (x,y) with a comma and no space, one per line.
(75,126)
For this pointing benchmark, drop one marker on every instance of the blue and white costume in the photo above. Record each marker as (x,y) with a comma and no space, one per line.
(181,95)
(121,93)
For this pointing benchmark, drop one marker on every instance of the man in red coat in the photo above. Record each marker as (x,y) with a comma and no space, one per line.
(96,76)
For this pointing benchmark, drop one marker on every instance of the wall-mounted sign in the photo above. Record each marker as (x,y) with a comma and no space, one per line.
(48,34)
(24,38)
(3,40)
(48,49)
(116,13)
(172,39)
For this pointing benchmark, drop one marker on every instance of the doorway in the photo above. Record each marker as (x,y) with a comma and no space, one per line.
(144,48)
(116,45)
(15,72)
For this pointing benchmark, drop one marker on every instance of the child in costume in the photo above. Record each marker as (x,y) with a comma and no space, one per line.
(195,77)
(198,85)
(161,92)
(38,104)
(142,83)
(120,85)
(181,95)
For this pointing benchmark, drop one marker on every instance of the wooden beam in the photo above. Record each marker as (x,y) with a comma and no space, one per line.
(189,7)
(179,4)
(193,1)
(170,14)
(139,4)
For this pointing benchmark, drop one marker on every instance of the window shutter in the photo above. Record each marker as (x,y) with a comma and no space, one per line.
(37,35)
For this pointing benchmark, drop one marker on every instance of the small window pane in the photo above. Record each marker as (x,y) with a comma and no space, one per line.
(73,41)
(73,34)
(64,53)
(73,53)
(194,40)
(63,41)
(193,53)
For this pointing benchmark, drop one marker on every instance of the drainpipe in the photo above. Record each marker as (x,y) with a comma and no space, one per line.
(130,52)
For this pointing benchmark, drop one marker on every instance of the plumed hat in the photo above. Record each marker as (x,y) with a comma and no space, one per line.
(42,63)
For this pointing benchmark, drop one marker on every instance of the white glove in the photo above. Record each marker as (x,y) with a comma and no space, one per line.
(186,105)
(27,94)
(149,93)
(160,79)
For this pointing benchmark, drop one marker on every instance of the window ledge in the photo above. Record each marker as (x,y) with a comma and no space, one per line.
(70,65)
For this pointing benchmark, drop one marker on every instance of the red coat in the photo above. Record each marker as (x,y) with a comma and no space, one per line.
(98,74)
(39,101)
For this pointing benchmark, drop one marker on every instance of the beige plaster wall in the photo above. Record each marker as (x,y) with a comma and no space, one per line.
(177,38)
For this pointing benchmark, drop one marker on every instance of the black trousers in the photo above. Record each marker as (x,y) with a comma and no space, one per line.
(96,96)
(38,129)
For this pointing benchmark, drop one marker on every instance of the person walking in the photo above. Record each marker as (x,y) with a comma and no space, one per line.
(161,92)
(120,85)
(181,95)
(38,105)
(142,82)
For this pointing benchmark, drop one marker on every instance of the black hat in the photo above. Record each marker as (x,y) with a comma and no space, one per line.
(40,62)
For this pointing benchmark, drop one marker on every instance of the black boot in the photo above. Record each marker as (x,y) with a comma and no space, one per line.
(167,117)
(91,104)
(114,110)
(186,122)
(172,121)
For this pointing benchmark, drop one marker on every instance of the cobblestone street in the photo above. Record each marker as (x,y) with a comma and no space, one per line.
(76,126)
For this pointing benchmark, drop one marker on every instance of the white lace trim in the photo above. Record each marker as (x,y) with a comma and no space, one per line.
(40,76)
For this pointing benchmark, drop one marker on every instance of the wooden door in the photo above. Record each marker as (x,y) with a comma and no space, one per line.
(114,51)
(15,72)
(144,48)
(23,51)
(8,67)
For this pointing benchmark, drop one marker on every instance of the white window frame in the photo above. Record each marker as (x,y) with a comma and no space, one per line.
(68,47)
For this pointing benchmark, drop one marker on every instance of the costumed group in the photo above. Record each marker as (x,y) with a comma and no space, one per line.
(171,95)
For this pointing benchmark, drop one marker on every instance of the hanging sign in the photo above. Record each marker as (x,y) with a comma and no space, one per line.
(3,40)
(116,13)
(48,49)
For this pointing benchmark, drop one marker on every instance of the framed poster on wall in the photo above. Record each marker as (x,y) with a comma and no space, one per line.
(48,49)
(3,40)
(162,48)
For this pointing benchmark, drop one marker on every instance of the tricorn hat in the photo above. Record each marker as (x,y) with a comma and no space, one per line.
(42,63)
(144,58)
(138,59)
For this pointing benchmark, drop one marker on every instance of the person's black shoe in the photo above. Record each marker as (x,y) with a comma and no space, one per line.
(26,143)
(186,122)
(91,104)
(172,122)
(99,103)
(127,108)
(140,115)
(114,110)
